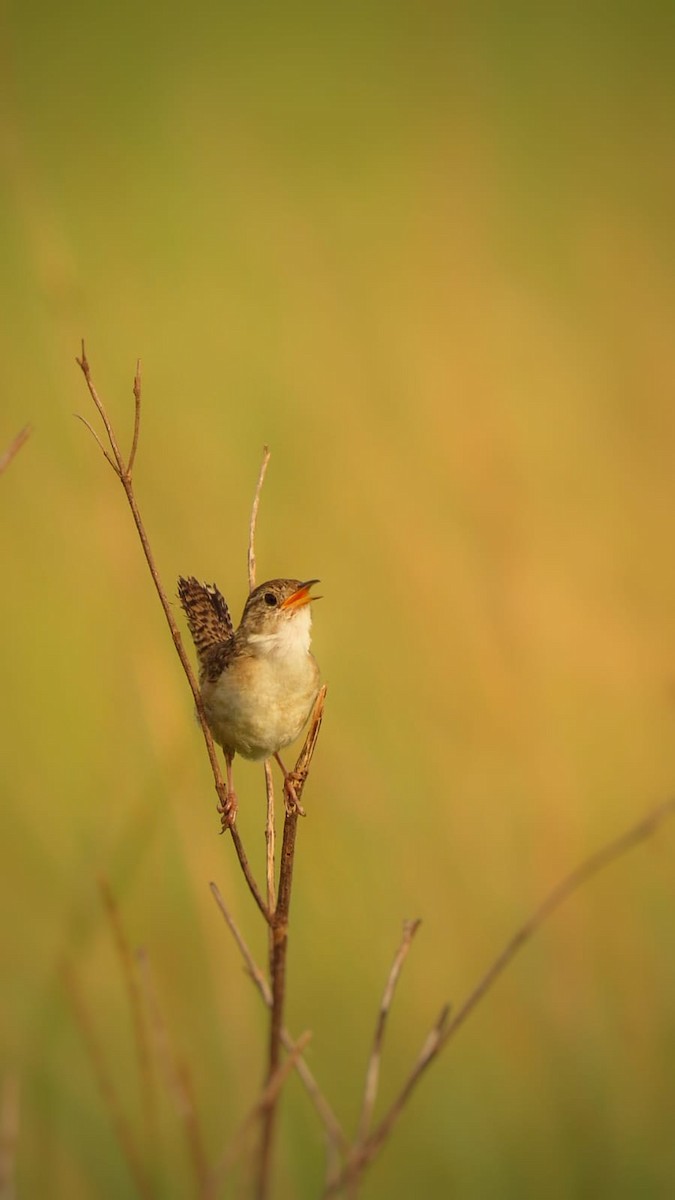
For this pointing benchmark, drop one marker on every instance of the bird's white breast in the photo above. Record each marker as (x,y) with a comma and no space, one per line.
(261,702)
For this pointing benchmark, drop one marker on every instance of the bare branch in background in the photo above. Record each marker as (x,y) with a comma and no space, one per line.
(373,1071)
(14,447)
(446,1027)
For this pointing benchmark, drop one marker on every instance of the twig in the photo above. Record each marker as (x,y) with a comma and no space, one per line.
(176,1075)
(334,1131)
(269,1097)
(280,920)
(446,1028)
(120,1124)
(137,417)
(14,447)
(254,518)
(9,1135)
(138,1021)
(269,782)
(269,838)
(123,472)
(373,1070)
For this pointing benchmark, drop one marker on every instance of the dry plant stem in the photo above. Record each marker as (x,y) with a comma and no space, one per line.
(122,1127)
(446,1028)
(269,1096)
(269,838)
(14,447)
(176,1076)
(254,518)
(132,985)
(269,783)
(280,920)
(373,1070)
(123,472)
(9,1134)
(334,1132)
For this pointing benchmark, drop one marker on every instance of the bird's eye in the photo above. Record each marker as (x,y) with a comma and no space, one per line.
(270,599)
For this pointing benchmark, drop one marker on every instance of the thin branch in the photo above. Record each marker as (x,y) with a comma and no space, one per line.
(176,1075)
(269,838)
(137,417)
(99,443)
(280,919)
(125,479)
(122,1127)
(268,1097)
(334,1131)
(254,518)
(14,447)
(373,1070)
(124,954)
(446,1028)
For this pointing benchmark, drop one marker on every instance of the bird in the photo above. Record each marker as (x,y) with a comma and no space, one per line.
(258,683)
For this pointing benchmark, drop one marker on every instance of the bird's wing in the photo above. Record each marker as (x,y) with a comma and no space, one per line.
(208,619)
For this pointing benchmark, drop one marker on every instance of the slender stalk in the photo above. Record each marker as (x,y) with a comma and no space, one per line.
(270,839)
(280,920)
(373,1070)
(254,517)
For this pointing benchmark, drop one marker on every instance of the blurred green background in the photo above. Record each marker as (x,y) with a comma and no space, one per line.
(425,251)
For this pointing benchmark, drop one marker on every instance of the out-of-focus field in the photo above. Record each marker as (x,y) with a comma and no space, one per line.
(426,253)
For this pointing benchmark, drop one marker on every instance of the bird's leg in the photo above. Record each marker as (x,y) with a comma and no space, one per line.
(228,811)
(290,779)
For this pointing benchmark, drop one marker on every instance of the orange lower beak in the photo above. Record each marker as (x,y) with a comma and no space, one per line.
(300,597)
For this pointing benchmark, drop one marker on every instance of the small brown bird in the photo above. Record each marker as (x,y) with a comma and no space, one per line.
(258,684)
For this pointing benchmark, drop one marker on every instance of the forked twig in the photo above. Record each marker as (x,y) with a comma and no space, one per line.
(14,447)
(125,956)
(446,1027)
(334,1131)
(176,1076)
(122,1127)
(123,472)
(373,1070)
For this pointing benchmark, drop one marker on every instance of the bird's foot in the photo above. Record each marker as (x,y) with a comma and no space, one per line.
(228,810)
(291,801)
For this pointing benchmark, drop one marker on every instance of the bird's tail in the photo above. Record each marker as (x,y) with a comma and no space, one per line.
(208,616)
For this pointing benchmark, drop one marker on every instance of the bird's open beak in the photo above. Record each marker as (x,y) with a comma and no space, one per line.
(300,597)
